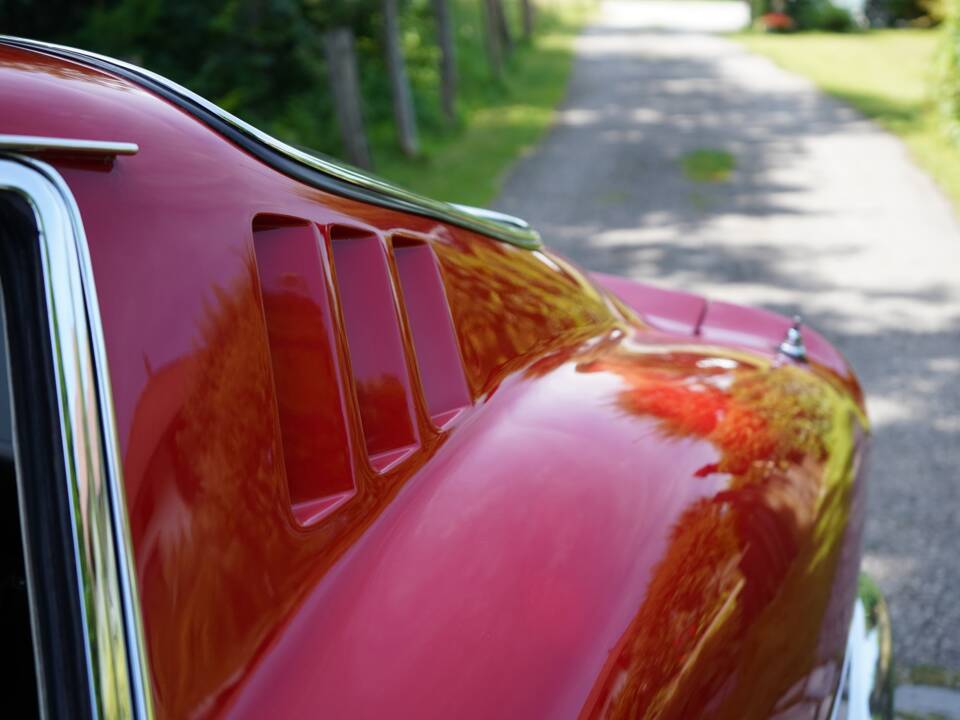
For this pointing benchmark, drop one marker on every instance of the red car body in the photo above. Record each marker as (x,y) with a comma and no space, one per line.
(377,464)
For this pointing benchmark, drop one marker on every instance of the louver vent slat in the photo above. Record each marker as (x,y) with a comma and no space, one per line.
(301,332)
(434,338)
(377,358)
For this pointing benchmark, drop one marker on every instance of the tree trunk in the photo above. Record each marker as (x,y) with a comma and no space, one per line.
(403,113)
(492,32)
(758,8)
(344,81)
(526,16)
(448,60)
(503,27)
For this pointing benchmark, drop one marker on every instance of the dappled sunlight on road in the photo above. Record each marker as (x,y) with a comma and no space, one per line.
(823,214)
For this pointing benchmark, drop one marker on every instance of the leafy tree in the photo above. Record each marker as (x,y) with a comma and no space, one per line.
(949,73)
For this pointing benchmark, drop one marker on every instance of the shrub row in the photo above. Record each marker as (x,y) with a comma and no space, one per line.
(830,16)
(265,60)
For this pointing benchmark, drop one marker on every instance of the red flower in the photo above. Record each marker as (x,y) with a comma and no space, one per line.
(775,21)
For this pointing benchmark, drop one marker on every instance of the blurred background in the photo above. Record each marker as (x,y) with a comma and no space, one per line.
(442,84)
(452,86)
(800,155)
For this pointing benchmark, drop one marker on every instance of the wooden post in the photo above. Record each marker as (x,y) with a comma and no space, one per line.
(448,60)
(403,114)
(761,7)
(492,32)
(503,27)
(526,17)
(342,67)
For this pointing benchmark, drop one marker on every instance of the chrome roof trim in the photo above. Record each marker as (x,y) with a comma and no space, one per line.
(37,143)
(113,635)
(321,173)
(494,216)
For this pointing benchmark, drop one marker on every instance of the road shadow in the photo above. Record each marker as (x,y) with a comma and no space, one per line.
(606,189)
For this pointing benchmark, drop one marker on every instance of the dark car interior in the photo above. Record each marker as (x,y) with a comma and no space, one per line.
(14,602)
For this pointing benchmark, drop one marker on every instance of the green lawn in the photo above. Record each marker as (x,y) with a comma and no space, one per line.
(468,164)
(886,74)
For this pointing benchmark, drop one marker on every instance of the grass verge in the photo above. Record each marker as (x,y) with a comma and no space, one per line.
(929,675)
(467,164)
(885,74)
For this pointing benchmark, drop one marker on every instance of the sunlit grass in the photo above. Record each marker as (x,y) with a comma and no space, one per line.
(888,75)
(467,164)
(930,675)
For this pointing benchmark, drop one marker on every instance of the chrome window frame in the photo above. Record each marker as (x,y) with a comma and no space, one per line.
(113,636)
(73,146)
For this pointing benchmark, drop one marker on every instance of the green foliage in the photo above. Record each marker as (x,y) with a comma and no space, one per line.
(819,15)
(49,22)
(263,60)
(948,74)
(936,10)
(823,15)
(498,121)
(808,14)
(895,13)
(886,75)
(929,675)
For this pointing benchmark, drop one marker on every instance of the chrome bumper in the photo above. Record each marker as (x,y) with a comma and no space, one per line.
(866,685)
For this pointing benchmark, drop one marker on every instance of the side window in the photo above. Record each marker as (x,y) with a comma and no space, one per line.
(15,624)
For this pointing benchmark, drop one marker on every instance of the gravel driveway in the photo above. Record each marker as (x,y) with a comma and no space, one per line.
(825,214)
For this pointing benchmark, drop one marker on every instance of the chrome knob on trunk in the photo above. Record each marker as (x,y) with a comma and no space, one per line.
(793,346)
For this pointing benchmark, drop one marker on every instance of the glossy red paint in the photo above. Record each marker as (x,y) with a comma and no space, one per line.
(669,310)
(621,522)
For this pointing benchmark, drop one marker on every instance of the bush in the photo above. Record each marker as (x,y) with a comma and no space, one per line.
(891,13)
(936,10)
(820,15)
(804,14)
(948,73)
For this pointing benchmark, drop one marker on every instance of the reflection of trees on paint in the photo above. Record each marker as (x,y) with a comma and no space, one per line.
(733,613)
(219,559)
(508,303)
(386,418)
(205,514)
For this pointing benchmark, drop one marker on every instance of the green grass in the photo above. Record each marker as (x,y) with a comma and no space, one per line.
(467,164)
(888,75)
(272,72)
(708,165)
(929,675)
